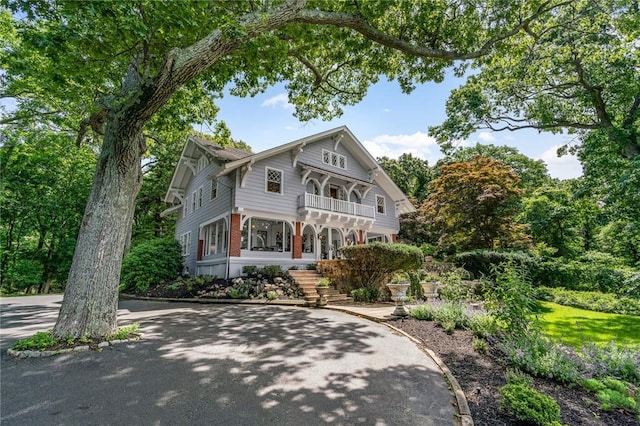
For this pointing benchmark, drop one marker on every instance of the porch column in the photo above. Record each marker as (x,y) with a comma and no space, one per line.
(297,242)
(235,235)
(200,249)
(360,236)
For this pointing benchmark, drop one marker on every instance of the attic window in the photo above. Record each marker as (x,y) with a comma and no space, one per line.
(334,159)
(202,163)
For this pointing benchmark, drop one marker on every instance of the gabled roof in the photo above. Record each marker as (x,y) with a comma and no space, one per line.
(344,136)
(190,153)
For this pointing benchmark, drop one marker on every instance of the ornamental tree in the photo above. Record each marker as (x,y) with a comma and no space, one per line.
(472,205)
(118,72)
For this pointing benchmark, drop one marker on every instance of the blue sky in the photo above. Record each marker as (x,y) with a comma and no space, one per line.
(387,122)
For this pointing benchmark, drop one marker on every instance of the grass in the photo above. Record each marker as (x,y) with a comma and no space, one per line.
(575,327)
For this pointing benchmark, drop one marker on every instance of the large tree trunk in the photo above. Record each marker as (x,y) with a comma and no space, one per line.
(91,295)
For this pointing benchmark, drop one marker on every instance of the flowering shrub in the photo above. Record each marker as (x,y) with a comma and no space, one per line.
(612,360)
(541,357)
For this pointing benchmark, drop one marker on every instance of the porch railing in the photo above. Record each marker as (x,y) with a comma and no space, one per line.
(319,202)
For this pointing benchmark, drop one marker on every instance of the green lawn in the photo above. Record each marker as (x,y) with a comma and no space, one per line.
(576,327)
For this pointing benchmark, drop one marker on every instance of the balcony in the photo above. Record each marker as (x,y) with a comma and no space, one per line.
(314,202)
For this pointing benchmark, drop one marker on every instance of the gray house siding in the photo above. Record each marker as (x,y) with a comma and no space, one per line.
(254,195)
(312,155)
(210,209)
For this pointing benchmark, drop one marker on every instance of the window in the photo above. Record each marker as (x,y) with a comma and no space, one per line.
(334,159)
(194,200)
(185,242)
(274,180)
(214,189)
(202,163)
(380,207)
(266,235)
(185,205)
(199,198)
(215,237)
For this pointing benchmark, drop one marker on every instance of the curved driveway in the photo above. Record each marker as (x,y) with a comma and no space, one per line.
(223,365)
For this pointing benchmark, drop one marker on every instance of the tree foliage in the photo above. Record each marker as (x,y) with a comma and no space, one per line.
(44,186)
(575,71)
(553,218)
(411,174)
(532,173)
(472,205)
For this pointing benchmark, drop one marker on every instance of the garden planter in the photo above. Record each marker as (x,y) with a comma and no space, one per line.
(323,291)
(399,295)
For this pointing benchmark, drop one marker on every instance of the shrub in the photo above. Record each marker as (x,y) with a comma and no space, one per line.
(511,300)
(613,394)
(451,314)
(484,262)
(612,360)
(415,289)
(482,325)
(452,288)
(423,312)
(593,271)
(611,399)
(592,300)
(151,262)
(372,264)
(539,356)
(250,270)
(517,377)
(528,405)
(272,271)
(272,295)
(480,345)
(365,294)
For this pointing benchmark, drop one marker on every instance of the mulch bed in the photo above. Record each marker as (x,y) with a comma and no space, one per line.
(481,376)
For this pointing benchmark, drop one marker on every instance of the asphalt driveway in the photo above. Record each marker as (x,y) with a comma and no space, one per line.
(222,365)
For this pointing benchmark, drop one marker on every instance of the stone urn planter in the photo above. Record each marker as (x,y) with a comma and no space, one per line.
(322,288)
(399,295)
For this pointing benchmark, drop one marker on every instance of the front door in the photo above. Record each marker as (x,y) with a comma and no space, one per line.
(333,192)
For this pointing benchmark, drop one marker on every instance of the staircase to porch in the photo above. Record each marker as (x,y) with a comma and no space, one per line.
(307,280)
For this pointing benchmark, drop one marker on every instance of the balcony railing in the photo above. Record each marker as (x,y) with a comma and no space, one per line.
(312,201)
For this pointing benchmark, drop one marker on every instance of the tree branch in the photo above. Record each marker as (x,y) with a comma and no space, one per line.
(359,24)
(309,65)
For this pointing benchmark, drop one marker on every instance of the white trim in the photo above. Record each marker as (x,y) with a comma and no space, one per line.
(194,196)
(266,180)
(185,206)
(185,243)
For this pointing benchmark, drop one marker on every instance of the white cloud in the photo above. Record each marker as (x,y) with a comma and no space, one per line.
(387,110)
(279,100)
(565,167)
(486,137)
(418,144)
